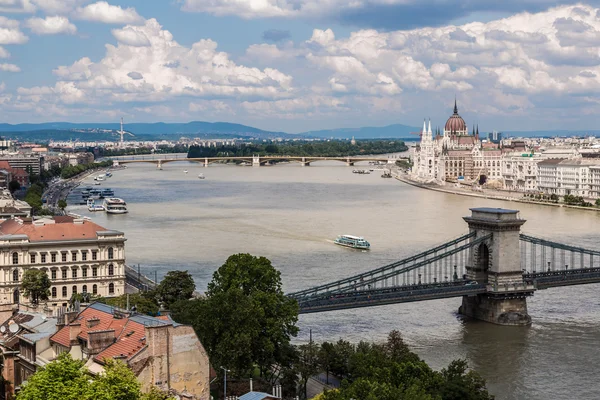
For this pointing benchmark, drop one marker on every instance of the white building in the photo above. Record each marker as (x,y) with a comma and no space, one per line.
(520,171)
(79,256)
(577,177)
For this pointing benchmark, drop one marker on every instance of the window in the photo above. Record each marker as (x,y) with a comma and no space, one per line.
(53,292)
(94,271)
(64,291)
(84,272)
(44,258)
(111,253)
(53,274)
(111,288)
(84,289)
(15,257)
(111,270)
(94,255)
(32,258)
(84,255)
(74,272)
(64,273)
(53,257)
(64,257)
(73,256)
(16,275)
(74,290)
(95,289)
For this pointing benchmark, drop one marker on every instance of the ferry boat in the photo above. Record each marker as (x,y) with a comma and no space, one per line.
(201,176)
(92,206)
(114,205)
(107,192)
(99,178)
(355,242)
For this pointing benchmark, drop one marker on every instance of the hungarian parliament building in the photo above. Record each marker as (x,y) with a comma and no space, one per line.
(456,155)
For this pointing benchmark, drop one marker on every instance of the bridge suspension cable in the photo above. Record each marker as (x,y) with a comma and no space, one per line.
(545,256)
(340,283)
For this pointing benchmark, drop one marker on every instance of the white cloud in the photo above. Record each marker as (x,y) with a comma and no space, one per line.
(9,68)
(149,65)
(131,36)
(108,14)
(17,6)
(50,25)
(9,31)
(4,53)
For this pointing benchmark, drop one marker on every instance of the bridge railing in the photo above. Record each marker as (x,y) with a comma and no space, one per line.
(541,255)
(350,281)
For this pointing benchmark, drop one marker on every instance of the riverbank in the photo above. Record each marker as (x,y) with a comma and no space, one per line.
(486,194)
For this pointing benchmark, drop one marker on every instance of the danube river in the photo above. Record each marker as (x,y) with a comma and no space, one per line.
(291,214)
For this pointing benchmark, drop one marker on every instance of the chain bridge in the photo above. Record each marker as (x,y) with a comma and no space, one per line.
(494,268)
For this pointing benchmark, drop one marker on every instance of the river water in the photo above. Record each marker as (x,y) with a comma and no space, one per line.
(290,214)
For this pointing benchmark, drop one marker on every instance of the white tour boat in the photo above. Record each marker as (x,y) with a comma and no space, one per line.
(114,205)
(355,242)
(201,176)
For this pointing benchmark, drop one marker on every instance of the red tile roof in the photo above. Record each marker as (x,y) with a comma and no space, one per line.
(131,340)
(130,333)
(62,230)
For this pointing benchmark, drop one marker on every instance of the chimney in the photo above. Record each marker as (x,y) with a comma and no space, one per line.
(70,316)
(74,331)
(92,322)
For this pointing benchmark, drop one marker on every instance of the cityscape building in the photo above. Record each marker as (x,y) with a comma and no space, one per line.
(78,255)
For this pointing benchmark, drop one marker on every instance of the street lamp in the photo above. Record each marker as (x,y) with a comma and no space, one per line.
(225,383)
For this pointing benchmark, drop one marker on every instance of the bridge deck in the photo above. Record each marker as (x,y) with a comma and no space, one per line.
(550,279)
(390,295)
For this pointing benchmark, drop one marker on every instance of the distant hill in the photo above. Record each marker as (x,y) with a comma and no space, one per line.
(559,133)
(369,132)
(196,128)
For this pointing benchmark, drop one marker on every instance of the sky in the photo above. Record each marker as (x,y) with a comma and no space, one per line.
(301,65)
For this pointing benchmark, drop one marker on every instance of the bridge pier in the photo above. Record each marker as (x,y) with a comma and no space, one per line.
(497,263)
(205,162)
(256,161)
(159,164)
(304,163)
(348,162)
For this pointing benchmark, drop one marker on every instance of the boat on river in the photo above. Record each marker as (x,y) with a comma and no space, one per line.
(201,176)
(114,205)
(355,242)
(92,206)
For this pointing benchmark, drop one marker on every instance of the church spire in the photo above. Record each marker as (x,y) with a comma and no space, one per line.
(455,107)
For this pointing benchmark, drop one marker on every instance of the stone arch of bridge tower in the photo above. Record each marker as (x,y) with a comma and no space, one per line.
(481,262)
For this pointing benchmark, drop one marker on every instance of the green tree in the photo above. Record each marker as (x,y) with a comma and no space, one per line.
(308,363)
(326,358)
(67,379)
(62,204)
(36,285)
(13,186)
(176,286)
(144,302)
(245,318)
(598,202)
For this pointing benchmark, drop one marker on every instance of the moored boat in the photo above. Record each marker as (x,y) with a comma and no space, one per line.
(114,205)
(92,206)
(355,242)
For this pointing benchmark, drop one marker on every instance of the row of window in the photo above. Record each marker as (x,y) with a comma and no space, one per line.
(74,273)
(84,290)
(44,256)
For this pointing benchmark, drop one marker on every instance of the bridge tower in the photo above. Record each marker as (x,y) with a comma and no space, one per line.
(497,263)
(255,160)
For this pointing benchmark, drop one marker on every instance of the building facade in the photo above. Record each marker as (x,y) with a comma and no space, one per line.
(455,154)
(79,257)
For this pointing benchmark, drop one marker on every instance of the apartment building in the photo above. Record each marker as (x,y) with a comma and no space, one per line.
(520,171)
(78,255)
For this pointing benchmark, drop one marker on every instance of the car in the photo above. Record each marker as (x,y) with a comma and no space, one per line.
(471,283)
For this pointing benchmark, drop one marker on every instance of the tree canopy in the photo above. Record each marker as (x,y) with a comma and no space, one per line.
(176,286)
(67,379)
(36,285)
(245,318)
(390,371)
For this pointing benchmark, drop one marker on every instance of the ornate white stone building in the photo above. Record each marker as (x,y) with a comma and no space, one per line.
(79,256)
(455,154)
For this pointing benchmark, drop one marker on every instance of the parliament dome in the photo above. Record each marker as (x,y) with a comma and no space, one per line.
(455,123)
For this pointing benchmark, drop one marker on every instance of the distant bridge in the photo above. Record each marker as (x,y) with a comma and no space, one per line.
(256,160)
(494,268)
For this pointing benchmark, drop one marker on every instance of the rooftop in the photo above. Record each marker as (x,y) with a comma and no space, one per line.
(51,229)
(258,396)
